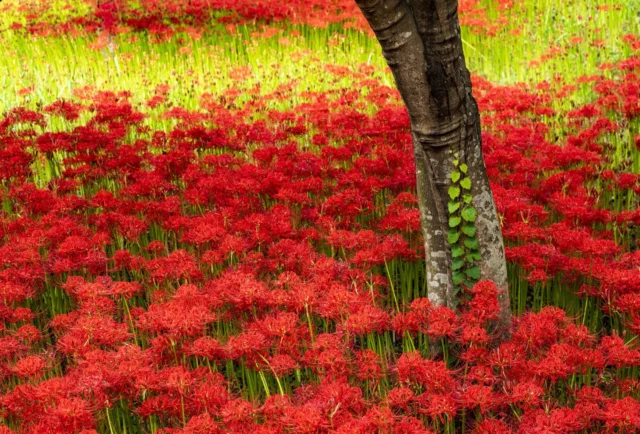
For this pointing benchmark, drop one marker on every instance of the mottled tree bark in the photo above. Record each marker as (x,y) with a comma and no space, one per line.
(421,43)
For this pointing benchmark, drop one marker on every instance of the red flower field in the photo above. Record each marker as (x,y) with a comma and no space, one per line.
(250,260)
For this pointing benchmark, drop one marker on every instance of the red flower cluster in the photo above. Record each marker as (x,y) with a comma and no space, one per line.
(164,19)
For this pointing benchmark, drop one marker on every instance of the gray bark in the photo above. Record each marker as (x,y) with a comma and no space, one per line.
(421,43)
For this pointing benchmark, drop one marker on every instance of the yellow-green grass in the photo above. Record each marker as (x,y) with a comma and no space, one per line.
(54,66)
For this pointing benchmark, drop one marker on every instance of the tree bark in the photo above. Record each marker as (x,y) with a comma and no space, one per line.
(421,43)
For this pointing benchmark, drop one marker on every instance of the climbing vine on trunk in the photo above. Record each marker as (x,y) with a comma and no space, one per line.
(461,236)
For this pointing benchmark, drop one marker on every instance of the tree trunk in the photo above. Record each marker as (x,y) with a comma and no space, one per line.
(421,43)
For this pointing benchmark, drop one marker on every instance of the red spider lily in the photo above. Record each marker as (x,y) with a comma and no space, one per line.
(67,109)
(207,347)
(400,397)
(368,366)
(29,366)
(526,394)
(484,303)
(91,332)
(183,316)
(411,368)
(437,406)
(237,413)
(240,291)
(178,265)
(125,289)
(12,293)
(249,345)
(558,420)
(617,353)
(478,396)
(21,314)
(161,405)
(492,426)
(541,329)
(410,425)
(282,364)
(73,413)
(441,322)
(474,335)
(50,406)
(367,319)
(304,419)
(29,334)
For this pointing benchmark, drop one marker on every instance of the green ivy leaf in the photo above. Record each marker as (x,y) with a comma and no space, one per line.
(463,168)
(454,192)
(473,272)
(472,257)
(458,263)
(469,214)
(457,251)
(453,206)
(469,230)
(453,236)
(467,198)
(454,303)
(471,243)
(455,176)
(466,183)
(454,221)
(458,277)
